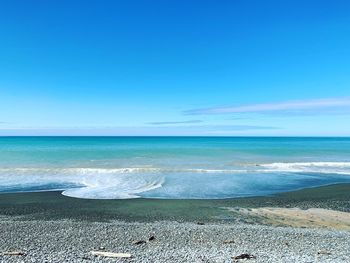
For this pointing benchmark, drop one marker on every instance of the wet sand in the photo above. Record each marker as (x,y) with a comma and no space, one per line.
(53,206)
(296,217)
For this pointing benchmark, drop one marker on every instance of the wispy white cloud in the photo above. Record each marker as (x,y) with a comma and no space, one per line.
(315,105)
(175,122)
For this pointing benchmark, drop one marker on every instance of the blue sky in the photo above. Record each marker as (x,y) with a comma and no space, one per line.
(175,67)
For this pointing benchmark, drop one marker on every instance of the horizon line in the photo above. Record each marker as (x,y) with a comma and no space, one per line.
(198,136)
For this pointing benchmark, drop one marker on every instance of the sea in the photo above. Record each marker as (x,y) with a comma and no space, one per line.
(171,167)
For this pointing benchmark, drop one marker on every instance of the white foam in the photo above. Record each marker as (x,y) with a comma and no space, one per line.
(315,167)
(114,188)
(93,183)
(126,170)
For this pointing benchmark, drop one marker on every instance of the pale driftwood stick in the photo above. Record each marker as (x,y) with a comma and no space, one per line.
(111,254)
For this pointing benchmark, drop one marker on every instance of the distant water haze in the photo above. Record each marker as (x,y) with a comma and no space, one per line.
(171,167)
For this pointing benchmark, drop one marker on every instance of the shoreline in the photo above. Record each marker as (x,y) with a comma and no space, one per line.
(53,205)
(61,191)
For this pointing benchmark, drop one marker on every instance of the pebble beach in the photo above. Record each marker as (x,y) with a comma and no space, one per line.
(68,241)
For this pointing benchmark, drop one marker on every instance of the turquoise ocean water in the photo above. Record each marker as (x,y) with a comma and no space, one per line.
(171,167)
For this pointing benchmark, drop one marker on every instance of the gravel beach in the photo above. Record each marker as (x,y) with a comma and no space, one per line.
(49,227)
(68,241)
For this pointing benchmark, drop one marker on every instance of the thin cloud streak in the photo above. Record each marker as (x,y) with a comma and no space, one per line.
(174,122)
(288,106)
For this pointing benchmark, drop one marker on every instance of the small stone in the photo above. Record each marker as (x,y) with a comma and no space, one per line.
(323,252)
(244,256)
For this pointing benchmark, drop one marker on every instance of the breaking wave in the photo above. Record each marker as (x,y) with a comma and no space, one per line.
(309,167)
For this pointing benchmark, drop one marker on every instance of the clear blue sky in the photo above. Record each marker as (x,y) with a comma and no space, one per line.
(174,67)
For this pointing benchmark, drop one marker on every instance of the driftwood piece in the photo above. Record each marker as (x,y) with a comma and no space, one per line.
(14,253)
(110,254)
(229,242)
